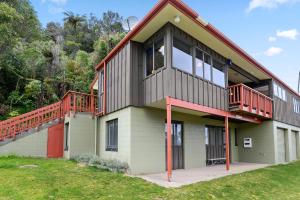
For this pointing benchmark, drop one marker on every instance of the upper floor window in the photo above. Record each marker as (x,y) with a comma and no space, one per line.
(279,92)
(100,90)
(296,105)
(199,63)
(112,135)
(207,67)
(218,74)
(155,57)
(182,58)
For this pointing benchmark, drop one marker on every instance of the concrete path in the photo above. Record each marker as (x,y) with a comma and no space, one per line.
(188,176)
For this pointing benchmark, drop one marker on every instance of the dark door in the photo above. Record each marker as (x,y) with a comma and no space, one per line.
(215,144)
(177,145)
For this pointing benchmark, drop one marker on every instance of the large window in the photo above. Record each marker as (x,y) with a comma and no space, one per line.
(279,92)
(155,62)
(112,135)
(203,65)
(182,58)
(218,74)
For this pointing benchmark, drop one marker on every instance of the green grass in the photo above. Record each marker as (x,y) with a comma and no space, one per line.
(61,179)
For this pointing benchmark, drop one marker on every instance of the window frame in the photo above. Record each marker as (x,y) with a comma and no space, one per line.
(108,146)
(279,92)
(296,105)
(66,136)
(151,44)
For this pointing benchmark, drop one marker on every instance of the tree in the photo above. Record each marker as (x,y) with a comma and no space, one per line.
(72,19)
(111,23)
(29,28)
(8,31)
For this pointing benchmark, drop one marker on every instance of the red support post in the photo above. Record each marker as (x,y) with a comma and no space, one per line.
(169,139)
(227,143)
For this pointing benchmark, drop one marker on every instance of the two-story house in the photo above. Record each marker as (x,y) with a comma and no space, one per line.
(176,93)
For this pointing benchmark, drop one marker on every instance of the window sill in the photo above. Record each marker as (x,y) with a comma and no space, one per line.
(155,72)
(111,149)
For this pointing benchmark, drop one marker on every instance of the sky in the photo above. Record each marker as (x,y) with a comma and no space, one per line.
(266,29)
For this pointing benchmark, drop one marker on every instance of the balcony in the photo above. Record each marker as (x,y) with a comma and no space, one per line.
(243,99)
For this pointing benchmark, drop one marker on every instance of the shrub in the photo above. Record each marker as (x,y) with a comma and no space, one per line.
(112,165)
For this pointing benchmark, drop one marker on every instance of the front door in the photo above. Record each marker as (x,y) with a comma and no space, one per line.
(215,145)
(177,145)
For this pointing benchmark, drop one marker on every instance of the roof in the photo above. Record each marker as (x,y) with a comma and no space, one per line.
(191,14)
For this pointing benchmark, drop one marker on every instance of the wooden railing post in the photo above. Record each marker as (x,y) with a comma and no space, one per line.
(242,97)
(74,103)
(251,101)
(265,106)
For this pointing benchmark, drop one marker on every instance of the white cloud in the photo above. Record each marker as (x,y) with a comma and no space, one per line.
(58,2)
(267,4)
(272,51)
(272,39)
(289,34)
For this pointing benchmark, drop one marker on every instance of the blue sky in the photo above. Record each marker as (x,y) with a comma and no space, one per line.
(267,29)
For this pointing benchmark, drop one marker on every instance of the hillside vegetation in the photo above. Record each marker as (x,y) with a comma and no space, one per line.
(38,65)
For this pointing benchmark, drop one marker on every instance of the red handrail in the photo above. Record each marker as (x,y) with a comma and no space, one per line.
(248,99)
(72,101)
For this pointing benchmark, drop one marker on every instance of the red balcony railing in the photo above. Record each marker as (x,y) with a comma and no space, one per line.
(72,101)
(79,102)
(245,99)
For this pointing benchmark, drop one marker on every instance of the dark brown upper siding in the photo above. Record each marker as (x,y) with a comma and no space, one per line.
(181,85)
(284,110)
(124,78)
(118,80)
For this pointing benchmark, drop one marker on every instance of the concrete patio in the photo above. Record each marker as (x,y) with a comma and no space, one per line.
(189,176)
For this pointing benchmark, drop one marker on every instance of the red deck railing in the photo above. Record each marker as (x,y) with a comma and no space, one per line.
(72,101)
(244,98)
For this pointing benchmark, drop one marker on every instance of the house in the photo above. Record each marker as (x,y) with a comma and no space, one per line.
(175,93)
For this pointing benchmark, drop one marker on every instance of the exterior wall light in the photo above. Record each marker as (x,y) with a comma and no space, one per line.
(177,19)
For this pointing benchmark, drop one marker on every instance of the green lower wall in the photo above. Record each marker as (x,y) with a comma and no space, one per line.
(263,150)
(81,134)
(142,139)
(124,136)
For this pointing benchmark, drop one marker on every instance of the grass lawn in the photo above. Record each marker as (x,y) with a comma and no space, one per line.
(61,179)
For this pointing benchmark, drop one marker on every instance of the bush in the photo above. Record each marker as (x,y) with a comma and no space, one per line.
(112,165)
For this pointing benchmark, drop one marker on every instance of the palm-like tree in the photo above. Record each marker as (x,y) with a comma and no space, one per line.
(72,19)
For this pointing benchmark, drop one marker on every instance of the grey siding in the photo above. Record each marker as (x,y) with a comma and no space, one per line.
(284,110)
(185,87)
